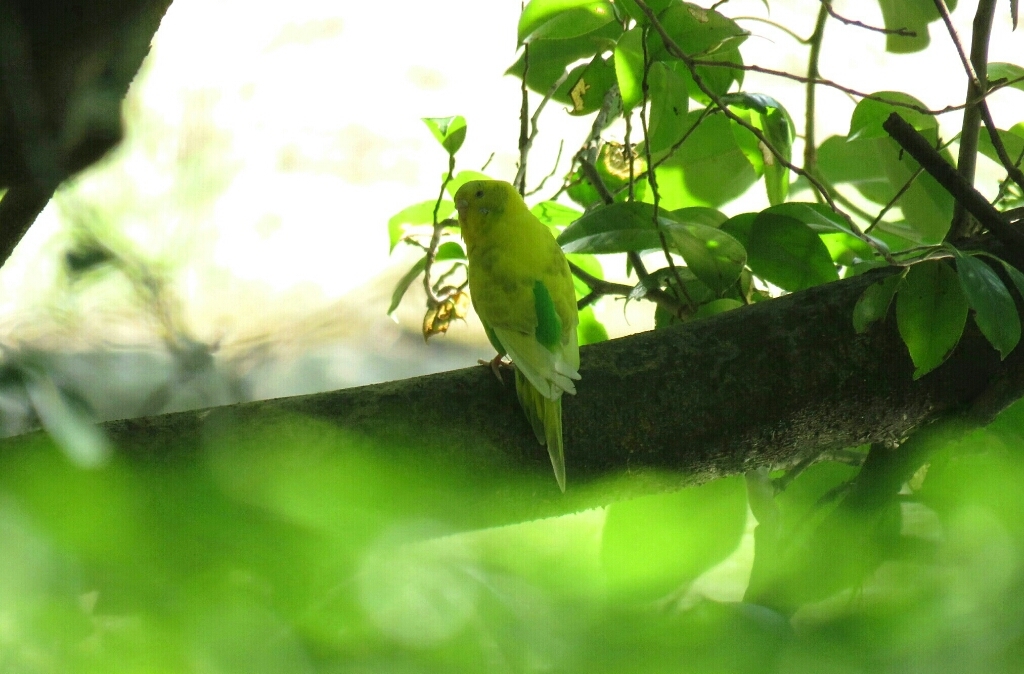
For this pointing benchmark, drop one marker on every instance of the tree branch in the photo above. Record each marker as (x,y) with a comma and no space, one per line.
(760,386)
(963,192)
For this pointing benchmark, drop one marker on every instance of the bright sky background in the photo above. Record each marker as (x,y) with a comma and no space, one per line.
(304,120)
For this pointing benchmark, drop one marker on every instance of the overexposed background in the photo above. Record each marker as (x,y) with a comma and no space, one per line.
(268,144)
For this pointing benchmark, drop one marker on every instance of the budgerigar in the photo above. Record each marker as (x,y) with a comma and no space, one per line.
(523,292)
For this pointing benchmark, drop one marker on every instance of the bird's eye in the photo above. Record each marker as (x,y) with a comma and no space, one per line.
(479,194)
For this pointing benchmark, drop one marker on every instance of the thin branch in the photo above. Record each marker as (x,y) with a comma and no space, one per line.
(433,299)
(554,169)
(976,68)
(527,145)
(903,32)
(591,174)
(832,85)
(652,176)
(1004,184)
(968,158)
(600,288)
(918,147)
(810,144)
(628,149)
(524,125)
(892,202)
(675,146)
(899,194)
(676,50)
(773,24)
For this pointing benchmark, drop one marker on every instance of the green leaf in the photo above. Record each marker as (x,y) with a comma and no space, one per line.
(716,258)
(1013,73)
(588,84)
(1012,143)
(766,114)
(869,114)
(561,19)
(709,169)
(450,250)
(446,251)
(844,246)
(879,169)
(629,226)
(1015,275)
(463,177)
(874,302)
(718,306)
(414,216)
(590,330)
(699,32)
(788,253)
(403,284)
(707,34)
(589,264)
(994,308)
(912,15)
(615,228)
(554,214)
(634,12)
(653,545)
(550,58)
(450,132)
(931,311)
(739,226)
(669,107)
(629,67)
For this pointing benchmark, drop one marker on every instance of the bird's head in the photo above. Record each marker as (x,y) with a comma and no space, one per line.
(478,199)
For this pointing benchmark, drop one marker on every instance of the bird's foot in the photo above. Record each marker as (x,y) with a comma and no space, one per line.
(496,365)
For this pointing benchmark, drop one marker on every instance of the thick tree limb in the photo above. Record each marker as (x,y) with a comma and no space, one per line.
(760,386)
(65,66)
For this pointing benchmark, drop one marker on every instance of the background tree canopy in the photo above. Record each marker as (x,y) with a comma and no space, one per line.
(811,464)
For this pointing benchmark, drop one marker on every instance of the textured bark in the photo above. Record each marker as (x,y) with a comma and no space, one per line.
(760,386)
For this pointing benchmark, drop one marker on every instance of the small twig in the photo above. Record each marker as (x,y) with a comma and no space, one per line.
(773,24)
(899,194)
(903,32)
(892,202)
(627,141)
(524,125)
(588,152)
(976,68)
(554,169)
(527,145)
(677,51)
(831,84)
(918,147)
(435,239)
(600,288)
(810,144)
(591,174)
(1004,184)
(851,206)
(652,176)
(675,146)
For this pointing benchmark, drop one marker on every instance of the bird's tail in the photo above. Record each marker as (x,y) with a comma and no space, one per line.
(545,416)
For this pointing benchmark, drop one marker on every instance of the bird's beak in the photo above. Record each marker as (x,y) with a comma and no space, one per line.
(461,205)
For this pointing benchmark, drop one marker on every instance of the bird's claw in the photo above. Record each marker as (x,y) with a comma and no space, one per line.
(495,364)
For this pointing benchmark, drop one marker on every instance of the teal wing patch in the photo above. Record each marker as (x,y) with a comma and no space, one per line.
(549,325)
